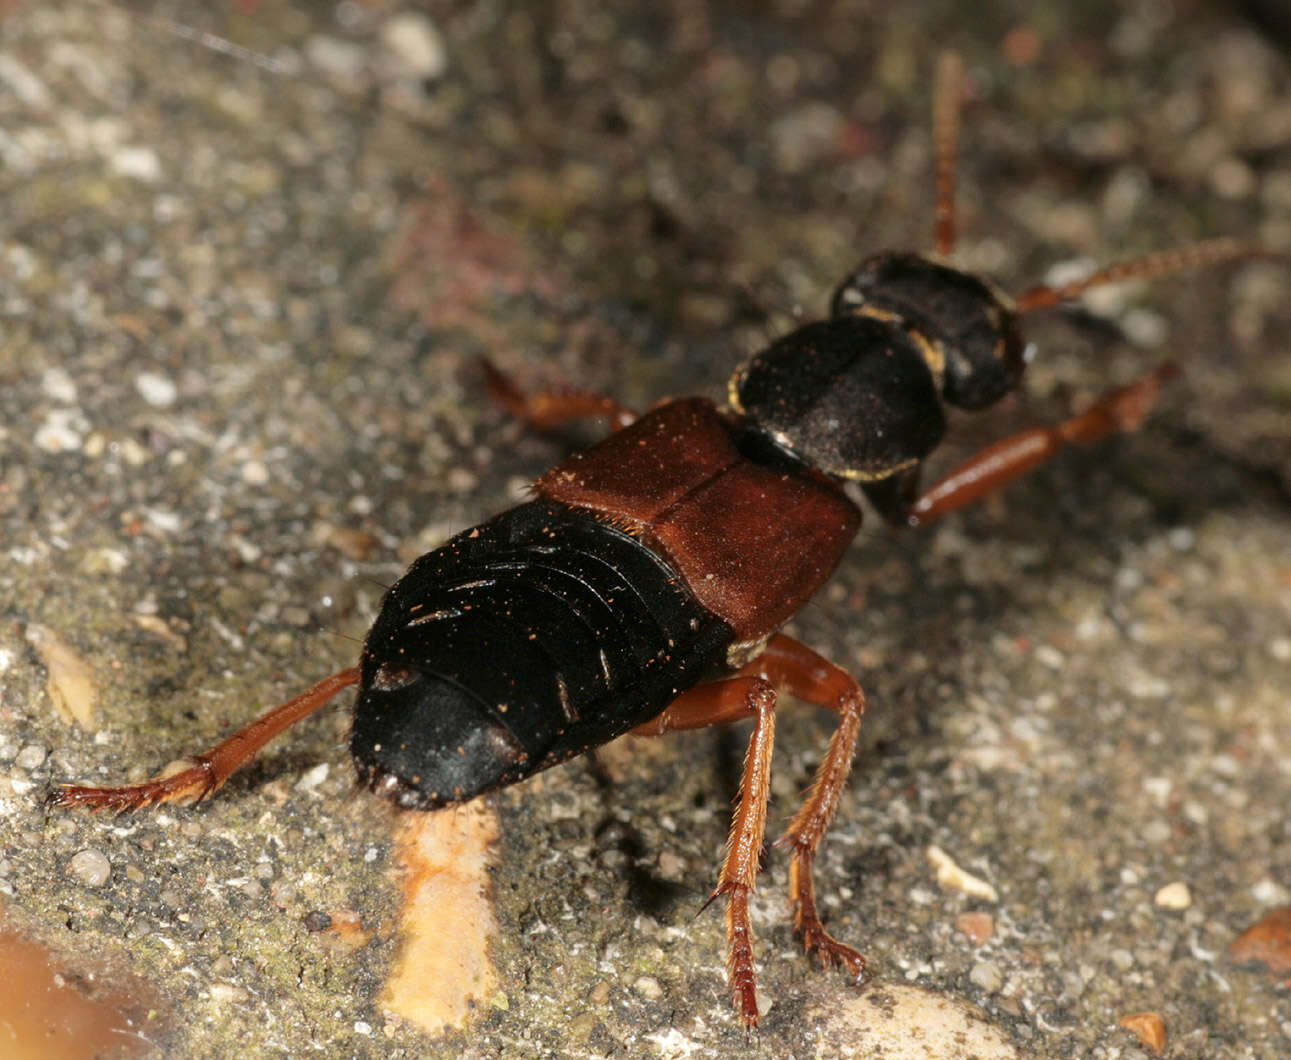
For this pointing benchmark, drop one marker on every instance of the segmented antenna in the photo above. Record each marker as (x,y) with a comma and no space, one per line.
(947,89)
(1198,256)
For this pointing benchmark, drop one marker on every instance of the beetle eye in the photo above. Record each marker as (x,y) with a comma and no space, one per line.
(390,677)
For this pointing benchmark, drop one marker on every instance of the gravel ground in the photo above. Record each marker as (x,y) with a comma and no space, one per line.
(249,256)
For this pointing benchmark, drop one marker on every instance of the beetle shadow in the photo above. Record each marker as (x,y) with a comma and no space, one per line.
(647,889)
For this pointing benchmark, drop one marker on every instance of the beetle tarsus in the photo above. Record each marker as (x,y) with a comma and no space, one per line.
(807,924)
(185,786)
(740,968)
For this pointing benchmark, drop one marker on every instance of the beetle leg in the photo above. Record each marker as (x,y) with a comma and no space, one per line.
(1122,409)
(711,704)
(208,772)
(795,668)
(548,410)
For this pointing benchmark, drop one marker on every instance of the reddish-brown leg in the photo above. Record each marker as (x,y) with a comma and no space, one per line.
(548,410)
(945,139)
(711,704)
(209,771)
(793,667)
(1122,409)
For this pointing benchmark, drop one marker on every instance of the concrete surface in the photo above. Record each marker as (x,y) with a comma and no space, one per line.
(249,254)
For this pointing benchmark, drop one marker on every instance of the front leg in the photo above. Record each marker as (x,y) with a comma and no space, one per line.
(1120,410)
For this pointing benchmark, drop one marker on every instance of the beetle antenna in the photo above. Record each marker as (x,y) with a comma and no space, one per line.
(200,776)
(946,92)
(1198,256)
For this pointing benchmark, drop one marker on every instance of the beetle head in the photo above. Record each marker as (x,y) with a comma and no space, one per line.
(967,327)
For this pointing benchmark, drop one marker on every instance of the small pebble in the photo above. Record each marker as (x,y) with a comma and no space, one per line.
(1149,1028)
(90,867)
(1145,328)
(951,877)
(1267,892)
(1174,896)
(317,920)
(30,757)
(1267,943)
(23,82)
(1049,656)
(229,994)
(977,927)
(416,45)
(1159,790)
(156,389)
(166,521)
(334,57)
(61,431)
(902,1022)
(137,163)
(648,986)
(987,976)
(295,615)
(672,866)
(313,776)
(59,385)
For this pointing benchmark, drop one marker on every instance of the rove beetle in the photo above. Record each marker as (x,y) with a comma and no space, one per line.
(643,588)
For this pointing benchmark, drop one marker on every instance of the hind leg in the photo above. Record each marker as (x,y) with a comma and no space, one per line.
(712,704)
(792,667)
(795,668)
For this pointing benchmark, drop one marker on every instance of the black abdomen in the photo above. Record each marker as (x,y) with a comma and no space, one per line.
(518,644)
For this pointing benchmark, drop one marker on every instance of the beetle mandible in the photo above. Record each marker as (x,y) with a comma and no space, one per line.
(644,587)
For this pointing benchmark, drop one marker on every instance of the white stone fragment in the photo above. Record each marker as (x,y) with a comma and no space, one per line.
(952,877)
(158,390)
